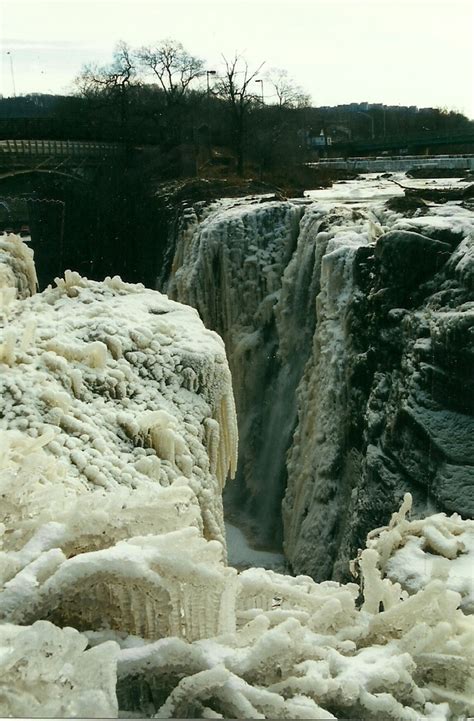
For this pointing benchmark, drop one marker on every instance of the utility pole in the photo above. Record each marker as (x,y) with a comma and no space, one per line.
(263,103)
(12,74)
(209,72)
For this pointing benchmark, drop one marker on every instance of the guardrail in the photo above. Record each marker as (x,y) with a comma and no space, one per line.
(413,142)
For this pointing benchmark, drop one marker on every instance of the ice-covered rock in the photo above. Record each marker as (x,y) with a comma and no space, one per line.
(228,263)
(418,551)
(308,650)
(117,432)
(17,270)
(48,672)
(114,399)
(407,258)
(168,584)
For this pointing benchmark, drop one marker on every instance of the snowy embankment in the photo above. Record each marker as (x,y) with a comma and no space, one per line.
(117,431)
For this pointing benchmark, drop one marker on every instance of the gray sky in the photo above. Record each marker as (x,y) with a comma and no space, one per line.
(407,52)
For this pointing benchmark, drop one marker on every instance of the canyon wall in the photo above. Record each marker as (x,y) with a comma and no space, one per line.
(348,328)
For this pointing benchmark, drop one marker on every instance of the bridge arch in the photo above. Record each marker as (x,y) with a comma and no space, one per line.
(30,171)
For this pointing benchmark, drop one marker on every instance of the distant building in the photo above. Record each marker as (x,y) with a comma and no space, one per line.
(318,142)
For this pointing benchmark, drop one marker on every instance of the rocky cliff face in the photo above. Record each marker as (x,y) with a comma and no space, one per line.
(386,400)
(229,262)
(348,328)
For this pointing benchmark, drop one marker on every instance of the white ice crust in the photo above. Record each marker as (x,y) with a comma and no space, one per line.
(17,270)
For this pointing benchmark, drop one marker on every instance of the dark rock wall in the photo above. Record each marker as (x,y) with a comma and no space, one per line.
(404,401)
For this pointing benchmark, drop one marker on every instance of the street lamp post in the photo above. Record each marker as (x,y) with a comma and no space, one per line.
(12,74)
(261,87)
(209,72)
(263,103)
(209,146)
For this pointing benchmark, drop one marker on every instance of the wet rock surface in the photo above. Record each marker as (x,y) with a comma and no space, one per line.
(408,258)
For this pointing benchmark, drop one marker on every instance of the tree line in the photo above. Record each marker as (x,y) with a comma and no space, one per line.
(166,95)
(188,116)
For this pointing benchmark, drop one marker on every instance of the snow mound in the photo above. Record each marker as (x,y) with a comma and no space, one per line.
(47,671)
(415,552)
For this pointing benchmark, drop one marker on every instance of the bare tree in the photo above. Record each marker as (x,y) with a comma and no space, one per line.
(234,87)
(111,81)
(118,73)
(174,68)
(288,94)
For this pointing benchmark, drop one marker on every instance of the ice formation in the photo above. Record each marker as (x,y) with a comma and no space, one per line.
(116,434)
(228,263)
(117,422)
(46,671)
(129,395)
(300,649)
(415,552)
(17,270)
(184,636)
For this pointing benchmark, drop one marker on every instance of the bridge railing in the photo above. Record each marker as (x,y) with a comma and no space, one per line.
(426,158)
(26,149)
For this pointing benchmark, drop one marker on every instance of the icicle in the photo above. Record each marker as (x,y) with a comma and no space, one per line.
(7,348)
(17,268)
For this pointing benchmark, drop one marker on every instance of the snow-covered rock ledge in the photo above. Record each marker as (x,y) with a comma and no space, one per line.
(119,399)
(117,431)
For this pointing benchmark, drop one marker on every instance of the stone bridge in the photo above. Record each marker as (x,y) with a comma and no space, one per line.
(69,157)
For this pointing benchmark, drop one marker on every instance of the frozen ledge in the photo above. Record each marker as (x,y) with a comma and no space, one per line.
(120,402)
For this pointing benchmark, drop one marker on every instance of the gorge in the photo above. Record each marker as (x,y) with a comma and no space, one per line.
(346,320)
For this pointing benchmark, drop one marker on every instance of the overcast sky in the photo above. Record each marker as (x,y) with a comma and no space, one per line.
(400,52)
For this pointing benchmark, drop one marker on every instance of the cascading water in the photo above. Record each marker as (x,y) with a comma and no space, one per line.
(230,266)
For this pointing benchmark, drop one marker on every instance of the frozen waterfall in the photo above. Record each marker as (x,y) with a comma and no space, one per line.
(345,397)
